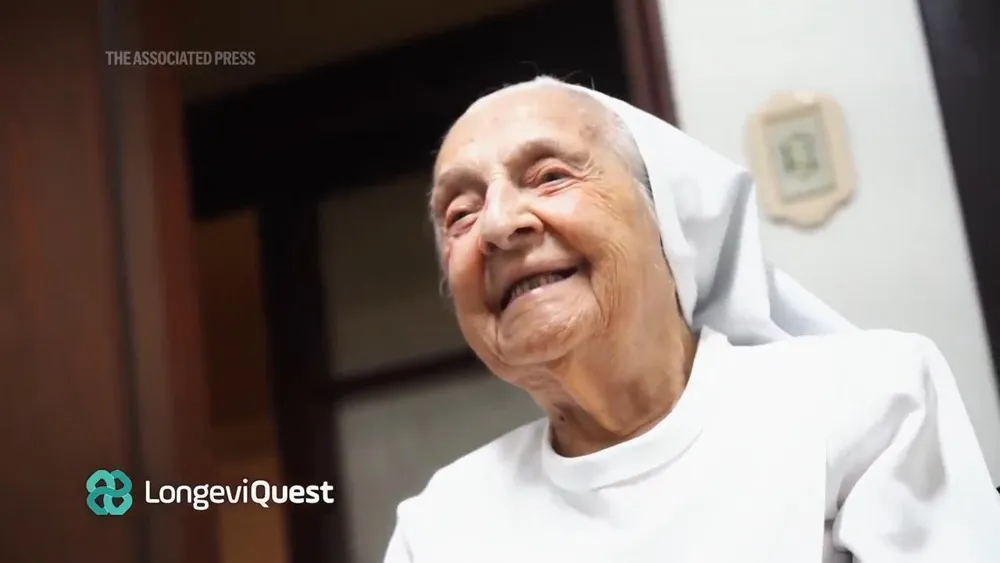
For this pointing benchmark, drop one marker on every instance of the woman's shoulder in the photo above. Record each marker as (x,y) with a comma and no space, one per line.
(851,357)
(849,380)
(491,467)
(858,380)
(869,342)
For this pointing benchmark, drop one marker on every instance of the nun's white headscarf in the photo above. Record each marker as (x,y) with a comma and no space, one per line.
(707,210)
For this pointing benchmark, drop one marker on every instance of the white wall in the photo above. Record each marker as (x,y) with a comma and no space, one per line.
(897,256)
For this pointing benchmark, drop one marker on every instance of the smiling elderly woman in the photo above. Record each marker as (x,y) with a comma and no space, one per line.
(699,406)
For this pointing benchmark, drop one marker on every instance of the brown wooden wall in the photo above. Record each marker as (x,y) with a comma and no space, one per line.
(99,340)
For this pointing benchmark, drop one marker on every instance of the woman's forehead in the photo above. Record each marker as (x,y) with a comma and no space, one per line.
(513,125)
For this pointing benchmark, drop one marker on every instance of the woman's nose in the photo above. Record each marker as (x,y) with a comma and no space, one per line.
(508,224)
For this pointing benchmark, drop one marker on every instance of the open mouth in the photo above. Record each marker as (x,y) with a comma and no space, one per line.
(524,285)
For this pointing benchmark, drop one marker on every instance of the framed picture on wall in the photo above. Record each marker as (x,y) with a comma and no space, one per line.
(800,158)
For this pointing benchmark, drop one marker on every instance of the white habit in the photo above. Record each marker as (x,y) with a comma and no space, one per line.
(798,439)
(792,452)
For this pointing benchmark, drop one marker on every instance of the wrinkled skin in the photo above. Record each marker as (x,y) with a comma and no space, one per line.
(526,181)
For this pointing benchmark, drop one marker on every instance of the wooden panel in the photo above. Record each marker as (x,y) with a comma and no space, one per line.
(232,311)
(171,403)
(645,54)
(296,342)
(66,406)
(99,339)
(247,532)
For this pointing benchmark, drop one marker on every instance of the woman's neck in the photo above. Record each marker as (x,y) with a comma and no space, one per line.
(601,405)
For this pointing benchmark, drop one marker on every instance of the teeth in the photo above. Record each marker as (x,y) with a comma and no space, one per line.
(528,284)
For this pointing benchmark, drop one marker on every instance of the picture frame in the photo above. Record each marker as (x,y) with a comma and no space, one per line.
(800,158)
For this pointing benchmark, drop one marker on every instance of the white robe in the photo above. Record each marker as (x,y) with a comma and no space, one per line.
(807,450)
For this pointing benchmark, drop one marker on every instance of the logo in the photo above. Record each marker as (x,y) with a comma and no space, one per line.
(103,490)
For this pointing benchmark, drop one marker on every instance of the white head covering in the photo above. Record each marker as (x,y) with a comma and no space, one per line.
(707,210)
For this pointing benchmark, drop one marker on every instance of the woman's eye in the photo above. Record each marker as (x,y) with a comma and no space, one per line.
(552,177)
(456,216)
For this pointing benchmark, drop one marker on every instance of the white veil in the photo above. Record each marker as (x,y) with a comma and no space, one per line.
(707,209)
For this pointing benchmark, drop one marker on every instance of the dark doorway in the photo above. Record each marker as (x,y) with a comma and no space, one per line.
(963,37)
(297,148)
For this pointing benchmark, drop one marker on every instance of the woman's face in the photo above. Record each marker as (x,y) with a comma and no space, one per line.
(547,242)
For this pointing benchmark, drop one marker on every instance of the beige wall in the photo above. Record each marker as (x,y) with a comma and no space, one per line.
(382,277)
(385,306)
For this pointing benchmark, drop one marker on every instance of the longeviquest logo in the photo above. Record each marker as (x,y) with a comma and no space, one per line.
(103,489)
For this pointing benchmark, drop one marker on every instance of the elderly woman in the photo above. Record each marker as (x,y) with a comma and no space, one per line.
(699,406)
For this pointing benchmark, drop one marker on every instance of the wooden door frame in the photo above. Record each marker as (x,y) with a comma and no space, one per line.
(965,55)
(98,310)
(273,147)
